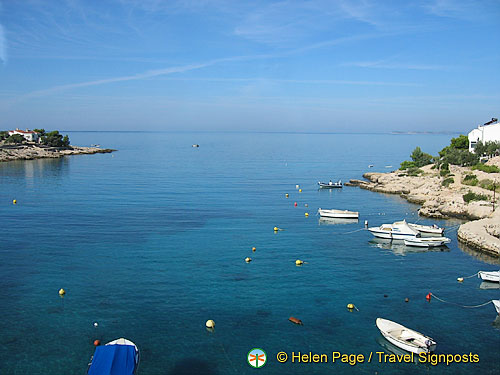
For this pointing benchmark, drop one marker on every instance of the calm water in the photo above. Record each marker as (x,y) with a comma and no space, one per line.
(150,242)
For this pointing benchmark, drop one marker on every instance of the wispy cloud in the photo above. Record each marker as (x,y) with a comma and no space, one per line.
(3,46)
(389,65)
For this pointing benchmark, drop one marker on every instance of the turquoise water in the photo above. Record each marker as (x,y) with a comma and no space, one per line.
(150,242)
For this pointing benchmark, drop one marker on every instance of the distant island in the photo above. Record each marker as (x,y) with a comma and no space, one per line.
(36,144)
(457,183)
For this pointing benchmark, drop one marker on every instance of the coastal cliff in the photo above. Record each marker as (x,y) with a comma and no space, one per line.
(441,201)
(29,152)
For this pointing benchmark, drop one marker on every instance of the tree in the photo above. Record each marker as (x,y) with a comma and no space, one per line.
(40,131)
(3,135)
(54,139)
(15,138)
(461,142)
(421,158)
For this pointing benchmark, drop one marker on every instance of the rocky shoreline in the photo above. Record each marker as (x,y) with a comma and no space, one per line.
(30,152)
(482,232)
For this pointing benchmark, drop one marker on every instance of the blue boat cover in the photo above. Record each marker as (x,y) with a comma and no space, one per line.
(113,360)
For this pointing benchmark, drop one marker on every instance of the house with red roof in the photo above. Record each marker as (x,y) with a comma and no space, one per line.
(29,135)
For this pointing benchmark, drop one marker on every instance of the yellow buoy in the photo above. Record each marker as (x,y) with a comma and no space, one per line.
(210,323)
(254,248)
(286,195)
(248,259)
(300,190)
(276,229)
(350,306)
(460,279)
(299,262)
(62,292)
(306,214)
(14,201)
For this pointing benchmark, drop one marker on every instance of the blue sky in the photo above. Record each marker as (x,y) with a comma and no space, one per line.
(319,66)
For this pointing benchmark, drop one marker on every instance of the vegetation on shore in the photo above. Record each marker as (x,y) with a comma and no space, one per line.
(50,139)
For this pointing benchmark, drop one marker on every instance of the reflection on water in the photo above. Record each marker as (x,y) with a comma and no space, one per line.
(393,349)
(334,221)
(37,168)
(477,254)
(486,285)
(398,247)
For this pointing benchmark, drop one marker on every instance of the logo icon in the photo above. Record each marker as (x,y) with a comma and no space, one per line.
(257,358)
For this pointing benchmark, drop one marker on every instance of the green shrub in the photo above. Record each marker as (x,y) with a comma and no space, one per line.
(444,172)
(488,185)
(420,158)
(470,196)
(54,139)
(447,181)
(470,180)
(407,164)
(15,138)
(486,168)
(414,171)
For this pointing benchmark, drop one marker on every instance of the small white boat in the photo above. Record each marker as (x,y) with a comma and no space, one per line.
(405,338)
(427,229)
(339,214)
(496,303)
(330,185)
(491,276)
(399,230)
(427,241)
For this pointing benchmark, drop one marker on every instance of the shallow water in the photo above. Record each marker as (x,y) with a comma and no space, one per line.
(150,242)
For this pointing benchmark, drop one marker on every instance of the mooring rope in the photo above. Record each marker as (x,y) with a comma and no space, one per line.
(453,227)
(354,231)
(468,277)
(457,304)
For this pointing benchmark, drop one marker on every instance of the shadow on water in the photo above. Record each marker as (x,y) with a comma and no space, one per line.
(477,254)
(190,366)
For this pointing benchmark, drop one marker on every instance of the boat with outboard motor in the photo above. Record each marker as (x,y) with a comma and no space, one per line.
(330,185)
(120,356)
(399,230)
(405,338)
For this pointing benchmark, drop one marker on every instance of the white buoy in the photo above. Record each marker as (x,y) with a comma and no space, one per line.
(210,323)
(297,186)
(96,324)
(366,223)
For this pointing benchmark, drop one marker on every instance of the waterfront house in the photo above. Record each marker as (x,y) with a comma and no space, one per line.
(488,132)
(29,135)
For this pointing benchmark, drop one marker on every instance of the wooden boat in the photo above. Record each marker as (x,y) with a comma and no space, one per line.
(399,230)
(427,241)
(339,214)
(491,276)
(330,185)
(120,356)
(427,229)
(496,303)
(405,338)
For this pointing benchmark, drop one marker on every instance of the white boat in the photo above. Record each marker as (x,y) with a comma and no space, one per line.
(330,185)
(405,338)
(339,214)
(399,230)
(427,229)
(491,276)
(427,241)
(496,303)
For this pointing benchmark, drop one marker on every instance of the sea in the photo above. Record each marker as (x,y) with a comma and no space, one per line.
(149,242)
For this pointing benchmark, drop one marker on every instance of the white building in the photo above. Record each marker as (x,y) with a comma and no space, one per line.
(489,132)
(29,135)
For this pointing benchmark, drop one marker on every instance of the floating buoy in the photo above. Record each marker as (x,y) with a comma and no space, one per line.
(366,223)
(306,214)
(300,190)
(350,306)
(96,324)
(254,248)
(248,259)
(407,299)
(210,323)
(276,229)
(306,205)
(62,292)
(14,201)
(299,262)
(460,279)
(296,186)
(97,342)
(295,320)
(286,195)
(295,204)
(428,296)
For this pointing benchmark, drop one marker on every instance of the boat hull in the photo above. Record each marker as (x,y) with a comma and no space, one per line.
(405,338)
(493,276)
(380,233)
(338,214)
(427,242)
(496,303)
(426,229)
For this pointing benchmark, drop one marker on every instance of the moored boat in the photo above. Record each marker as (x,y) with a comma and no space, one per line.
(120,356)
(427,229)
(427,241)
(491,276)
(339,214)
(383,231)
(330,185)
(399,230)
(496,303)
(405,338)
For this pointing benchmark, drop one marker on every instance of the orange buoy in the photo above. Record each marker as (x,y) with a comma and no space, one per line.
(97,342)
(295,320)
(428,296)
(295,204)
(253,248)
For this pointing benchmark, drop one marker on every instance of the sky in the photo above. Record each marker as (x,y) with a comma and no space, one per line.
(262,65)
